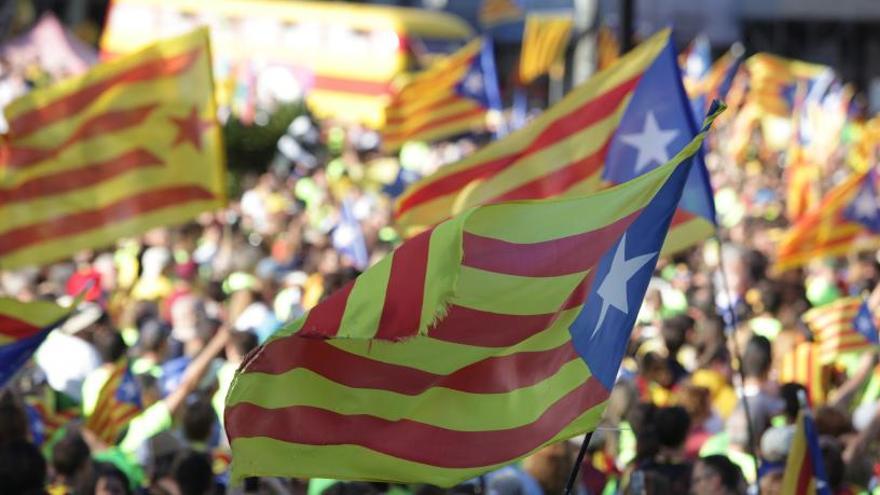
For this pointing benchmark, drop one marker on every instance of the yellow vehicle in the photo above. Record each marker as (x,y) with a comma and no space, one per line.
(342,56)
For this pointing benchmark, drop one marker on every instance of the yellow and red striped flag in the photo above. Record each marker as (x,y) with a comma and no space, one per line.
(846,220)
(804,365)
(842,327)
(130,145)
(496,12)
(619,124)
(805,466)
(471,345)
(452,97)
(119,401)
(545,38)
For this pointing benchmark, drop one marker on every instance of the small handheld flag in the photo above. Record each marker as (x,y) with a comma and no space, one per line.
(841,327)
(805,467)
(119,401)
(23,327)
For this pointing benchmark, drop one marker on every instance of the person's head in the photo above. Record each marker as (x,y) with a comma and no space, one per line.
(655,368)
(192,473)
(239,345)
(13,418)
(154,336)
(22,468)
(697,401)
(833,421)
(757,358)
(550,466)
(789,393)
(104,479)
(198,418)
(675,332)
(672,425)
(716,475)
(70,455)
(110,346)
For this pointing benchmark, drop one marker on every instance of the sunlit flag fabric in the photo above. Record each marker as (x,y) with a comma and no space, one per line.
(804,365)
(805,467)
(451,97)
(23,327)
(619,124)
(773,81)
(705,83)
(844,326)
(119,401)
(471,345)
(130,145)
(543,45)
(846,220)
(497,12)
(607,48)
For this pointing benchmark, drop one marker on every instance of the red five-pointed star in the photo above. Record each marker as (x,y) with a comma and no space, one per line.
(190,128)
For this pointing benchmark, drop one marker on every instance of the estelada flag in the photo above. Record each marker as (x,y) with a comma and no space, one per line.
(846,220)
(23,327)
(844,326)
(545,38)
(471,345)
(619,124)
(805,466)
(128,146)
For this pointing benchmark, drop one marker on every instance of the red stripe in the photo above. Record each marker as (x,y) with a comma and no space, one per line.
(80,177)
(563,256)
(105,123)
(560,180)
(85,221)
(681,216)
(402,311)
(403,117)
(481,328)
(75,102)
(805,475)
(578,119)
(15,328)
(427,126)
(409,439)
(497,374)
(324,319)
(349,85)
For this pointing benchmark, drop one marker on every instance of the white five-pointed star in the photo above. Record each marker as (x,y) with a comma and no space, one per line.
(612,290)
(473,83)
(863,323)
(128,391)
(651,143)
(866,206)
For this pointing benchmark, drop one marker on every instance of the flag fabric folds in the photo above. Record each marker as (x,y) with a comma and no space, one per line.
(804,365)
(119,401)
(545,39)
(705,81)
(842,327)
(23,327)
(130,145)
(846,220)
(619,124)
(471,345)
(451,97)
(805,467)
(496,12)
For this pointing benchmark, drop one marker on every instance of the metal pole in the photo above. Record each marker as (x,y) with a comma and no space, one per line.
(577,464)
(627,23)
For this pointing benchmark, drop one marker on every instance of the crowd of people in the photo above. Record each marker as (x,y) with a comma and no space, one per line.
(700,405)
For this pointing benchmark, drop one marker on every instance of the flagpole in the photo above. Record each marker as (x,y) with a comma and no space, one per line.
(731,323)
(577,463)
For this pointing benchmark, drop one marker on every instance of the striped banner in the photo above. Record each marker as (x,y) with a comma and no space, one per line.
(23,327)
(447,99)
(826,230)
(471,345)
(805,466)
(804,365)
(543,45)
(834,328)
(128,146)
(118,403)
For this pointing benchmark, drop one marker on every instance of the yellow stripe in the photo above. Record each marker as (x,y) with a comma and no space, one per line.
(511,294)
(627,67)
(552,219)
(415,121)
(360,319)
(460,411)
(473,123)
(267,457)
(36,313)
(444,261)
(421,352)
(534,166)
(797,456)
(687,234)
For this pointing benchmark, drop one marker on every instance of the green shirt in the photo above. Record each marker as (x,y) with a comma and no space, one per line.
(154,419)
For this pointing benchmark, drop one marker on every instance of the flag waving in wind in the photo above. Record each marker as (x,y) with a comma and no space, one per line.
(128,146)
(846,325)
(23,327)
(621,123)
(471,345)
(119,401)
(452,97)
(805,467)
